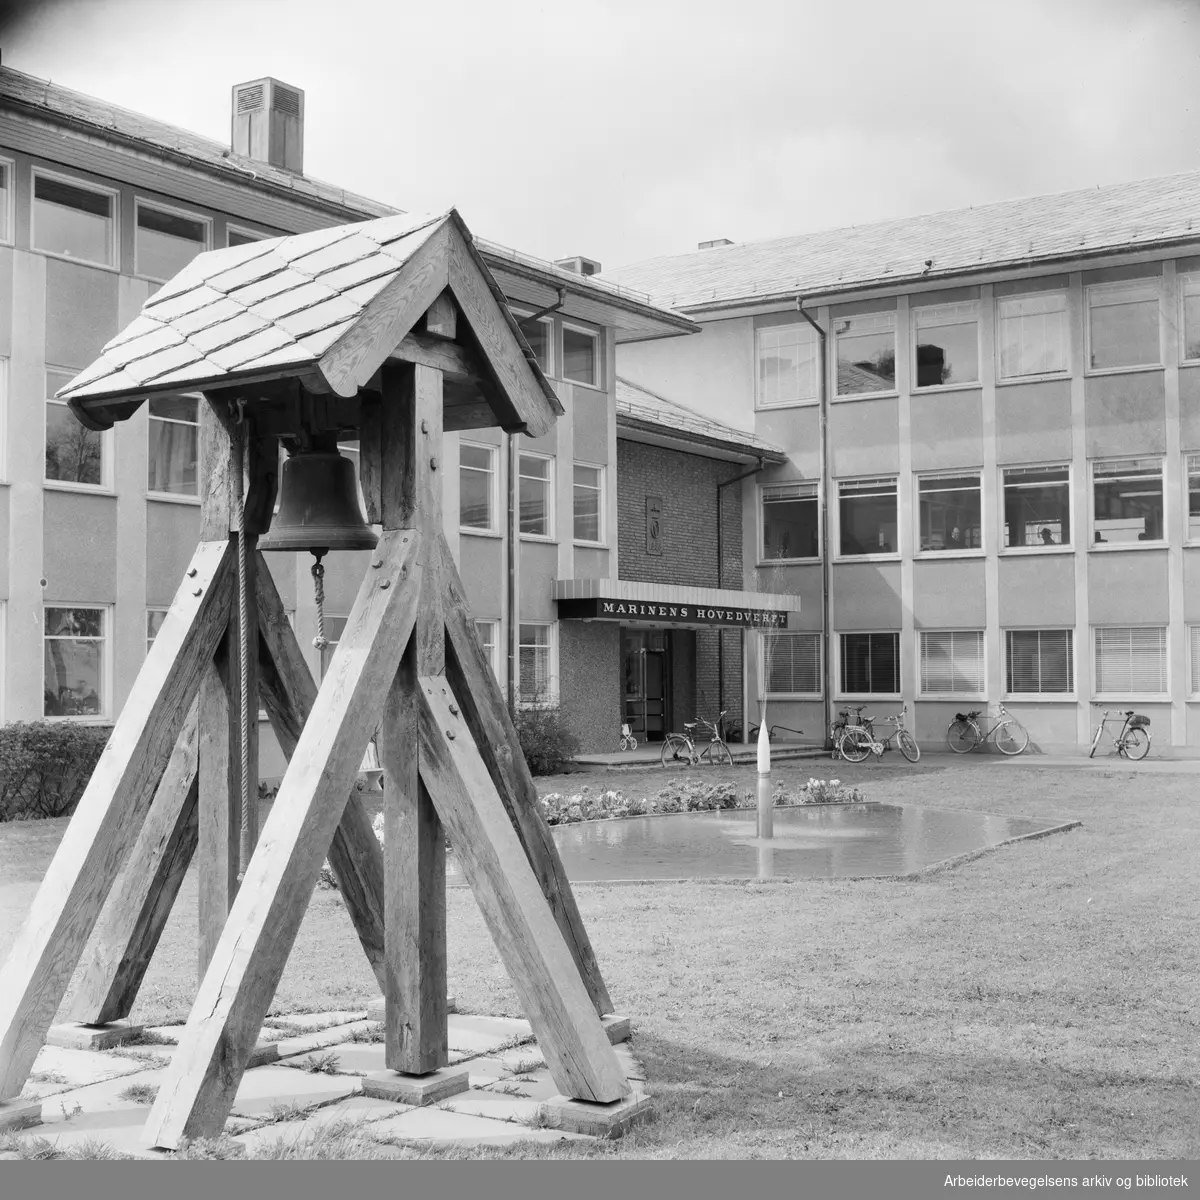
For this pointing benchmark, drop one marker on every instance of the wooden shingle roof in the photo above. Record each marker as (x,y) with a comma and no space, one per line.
(327,308)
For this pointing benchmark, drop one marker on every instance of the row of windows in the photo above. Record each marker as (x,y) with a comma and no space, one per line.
(1127,661)
(1123,330)
(79,220)
(1127,506)
(574,353)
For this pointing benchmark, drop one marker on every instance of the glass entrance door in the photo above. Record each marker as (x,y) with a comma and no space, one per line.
(645,669)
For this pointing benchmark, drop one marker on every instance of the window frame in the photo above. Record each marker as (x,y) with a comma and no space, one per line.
(493,529)
(105,487)
(1058,548)
(1188,455)
(840,692)
(1107,547)
(8,204)
(254,235)
(493,656)
(597,337)
(4,390)
(1065,371)
(601,489)
(961,552)
(151,609)
(914,326)
(1183,280)
(1123,697)
(83,185)
(105,715)
(549,535)
(323,664)
(836,509)
(815,634)
(980,694)
(1153,281)
(761,405)
(762,490)
(1193,675)
(838,334)
(140,202)
(1069,696)
(522,314)
(174,497)
(552,694)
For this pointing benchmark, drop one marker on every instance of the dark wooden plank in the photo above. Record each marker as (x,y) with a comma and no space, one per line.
(198,1088)
(110,814)
(288,691)
(132,921)
(486,714)
(458,362)
(543,974)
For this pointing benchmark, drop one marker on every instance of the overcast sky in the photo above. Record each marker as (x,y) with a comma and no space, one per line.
(624,129)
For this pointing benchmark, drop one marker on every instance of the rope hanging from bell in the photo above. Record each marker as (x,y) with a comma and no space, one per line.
(320,642)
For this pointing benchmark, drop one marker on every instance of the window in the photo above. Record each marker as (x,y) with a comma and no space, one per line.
(1189,296)
(791,664)
(949,512)
(867,516)
(1131,661)
(866,353)
(540,336)
(1193,645)
(1037,506)
(74,454)
(75,667)
(535,492)
(947,344)
(174,445)
(1033,335)
(477,487)
(581,355)
(589,503)
(787,364)
(486,632)
(952,663)
(334,628)
(1127,500)
(6,192)
(537,675)
(870,664)
(790,521)
(1123,325)
(154,621)
(165,241)
(1039,661)
(236,236)
(1193,483)
(74,221)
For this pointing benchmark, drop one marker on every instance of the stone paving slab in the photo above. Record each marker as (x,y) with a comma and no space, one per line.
(92,1037)
(314,1022)
(322,1039)
(441,1127)
(99,1098)
(470,1035)
(357,1110)
(356,1058)
(501,1106)
(522,1057)
(268,1087)
(64,1069)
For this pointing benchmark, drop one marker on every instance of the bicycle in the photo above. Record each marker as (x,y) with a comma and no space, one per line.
(680,748)
(856,740)
(1133,741)
(964,734)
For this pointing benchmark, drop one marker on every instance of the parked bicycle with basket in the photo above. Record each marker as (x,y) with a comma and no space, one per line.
(854,735)
(681,749)
(1133,738)
(965,733)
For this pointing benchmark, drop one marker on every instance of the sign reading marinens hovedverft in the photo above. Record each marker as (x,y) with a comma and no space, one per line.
(677,614)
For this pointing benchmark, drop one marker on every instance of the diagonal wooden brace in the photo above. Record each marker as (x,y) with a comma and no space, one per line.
(110,814)
(199,1086)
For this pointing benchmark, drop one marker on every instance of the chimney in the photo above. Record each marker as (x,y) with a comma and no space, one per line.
(714,244)
(579,264)
(268,123)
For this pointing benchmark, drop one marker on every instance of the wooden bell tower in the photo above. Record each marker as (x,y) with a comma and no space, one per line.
(393,330)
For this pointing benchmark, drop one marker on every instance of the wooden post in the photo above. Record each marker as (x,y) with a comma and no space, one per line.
(410,496)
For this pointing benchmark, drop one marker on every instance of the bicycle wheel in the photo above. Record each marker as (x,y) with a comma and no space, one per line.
(1096,740)
(1136,744)
(717,754)
(855,744)
(1011,737)
(908,745)
(675,751)
(962,736)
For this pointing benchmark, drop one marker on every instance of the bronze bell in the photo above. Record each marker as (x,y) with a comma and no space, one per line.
(318,506)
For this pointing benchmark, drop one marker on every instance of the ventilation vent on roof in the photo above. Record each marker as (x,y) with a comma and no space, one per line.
(268,123)
(286,100)
(714,243)
(579,264)
(250,99)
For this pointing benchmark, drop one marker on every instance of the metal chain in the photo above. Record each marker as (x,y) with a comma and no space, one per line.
(245,848)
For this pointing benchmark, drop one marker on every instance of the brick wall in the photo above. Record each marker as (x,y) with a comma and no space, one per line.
(589,684)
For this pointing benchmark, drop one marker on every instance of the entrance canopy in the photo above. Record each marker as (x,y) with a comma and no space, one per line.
(627,601)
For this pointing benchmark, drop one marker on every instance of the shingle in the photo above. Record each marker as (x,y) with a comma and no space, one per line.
(362,271)
(318,343)
(262,343)
(146,369)
(282,281)
(342,253)
(305,296)
(100,369)
(317,317)
(185,302)
(388,229)
(364,293)
(142,347)
(247,273)
(222,333)
(204,318)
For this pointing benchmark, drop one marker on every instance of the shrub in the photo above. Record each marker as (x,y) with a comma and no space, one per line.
(45,766)
(546,741)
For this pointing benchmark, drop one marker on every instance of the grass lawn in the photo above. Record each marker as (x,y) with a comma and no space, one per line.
(1038,1002)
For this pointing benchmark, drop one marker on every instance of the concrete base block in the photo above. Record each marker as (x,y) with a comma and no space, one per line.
(93,1037)
(375,1008)
(418,1090)
(262,1054)
(596,1120)
(19,1114)
(617,1028)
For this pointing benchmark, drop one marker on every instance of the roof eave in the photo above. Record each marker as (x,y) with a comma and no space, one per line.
(733,451)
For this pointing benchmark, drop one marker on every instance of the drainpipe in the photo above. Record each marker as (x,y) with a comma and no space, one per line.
(514,549)
(720,562)
(823,469)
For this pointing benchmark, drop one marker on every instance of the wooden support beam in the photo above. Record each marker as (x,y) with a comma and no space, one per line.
(415,1015)
(132,921)
(456,361)
(288,692)
(543,974)
(486,714)
(110,814)
(199,1086)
